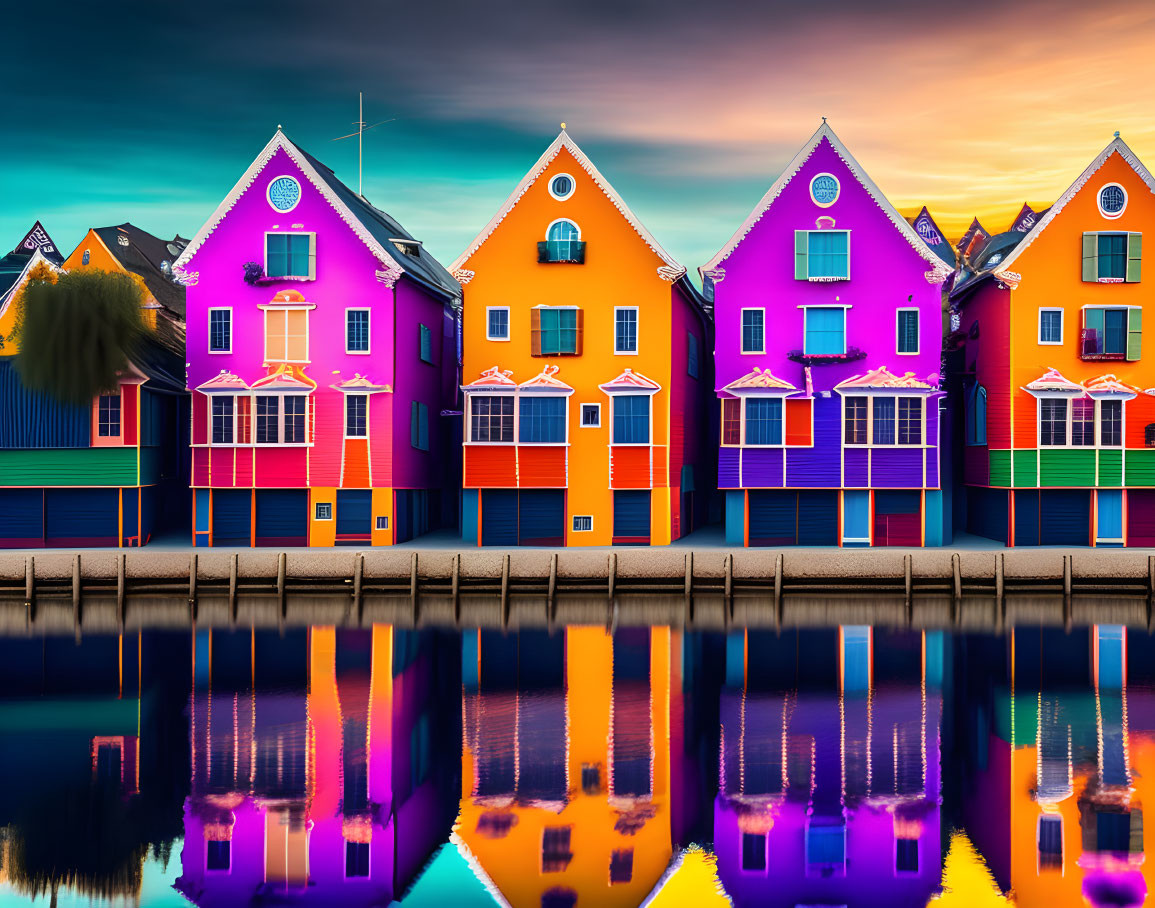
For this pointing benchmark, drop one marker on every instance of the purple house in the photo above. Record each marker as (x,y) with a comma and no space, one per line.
(828,340)
(321,352)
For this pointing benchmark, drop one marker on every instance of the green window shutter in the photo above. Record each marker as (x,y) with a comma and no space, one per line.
(1093,330)
(801,242)
(413,438)
(1134,258)
(1134,333)
(313,256)
(1090,256)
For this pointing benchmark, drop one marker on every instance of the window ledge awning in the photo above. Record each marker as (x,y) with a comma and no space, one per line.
(289,299)
(1109,386)
(226,382)
(545,381)
(759,381)
(882,379)
(631,382)
(492,379)
(285,377)
(1053,382)
(358,384)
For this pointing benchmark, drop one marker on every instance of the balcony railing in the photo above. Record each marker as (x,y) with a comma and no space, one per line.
(572,252)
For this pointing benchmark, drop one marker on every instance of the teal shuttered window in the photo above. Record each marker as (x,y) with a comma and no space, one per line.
(825,331)
(1112,333)
(425,344)
(821,255)
(419,426)
(907,331)
(555,331)
(290,255)
(1113,257)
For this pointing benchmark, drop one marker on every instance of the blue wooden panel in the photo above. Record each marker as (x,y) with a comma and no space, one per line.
(499,517)
(762,468)
(735,518)
(818,517)
(283,517)
(354,512)
(470,500)
(1026,517)
(470,666)
(1065,517)
(935,522)
(855,468)
(402,516)
(935,657)
(822,464)
(856,517)
(736,659)
(1111,645)
(30,419)
(232,517)
(728,468)
(632,515)
(81,517)
(203,496)
(898,502)
(773,517)
(21,518)
(855,658)
(896,468)
(987,511)
(1109,514)
(132,528)
(541,517)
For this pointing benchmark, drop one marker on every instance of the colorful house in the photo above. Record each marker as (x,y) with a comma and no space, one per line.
(1060,418)
(107,473)
(321,354)
(587,370)
(829,324)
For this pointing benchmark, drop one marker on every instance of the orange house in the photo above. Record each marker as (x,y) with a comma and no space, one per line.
(1060,418)
(587,370)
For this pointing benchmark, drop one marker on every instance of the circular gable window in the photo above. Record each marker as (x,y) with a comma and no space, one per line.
(824,190)
(1112,200)
(561,187)
(284,193)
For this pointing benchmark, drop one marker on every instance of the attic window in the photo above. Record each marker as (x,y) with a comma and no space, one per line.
(561,187)
(1112,200)
(122,239)
(411,248)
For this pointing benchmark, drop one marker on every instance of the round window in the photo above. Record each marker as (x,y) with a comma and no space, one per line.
(284,193)
(1112,200)
(824,190)
(561,186)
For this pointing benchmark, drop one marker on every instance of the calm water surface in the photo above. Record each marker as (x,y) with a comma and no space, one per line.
(837,766)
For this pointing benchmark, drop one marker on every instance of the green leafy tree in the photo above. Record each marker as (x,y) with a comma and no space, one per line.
(75,334)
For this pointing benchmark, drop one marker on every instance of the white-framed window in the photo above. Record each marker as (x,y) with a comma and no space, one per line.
(906,331)
(357,330)
(883,420)
(591,416)
(1050,326)
(582,523)
(324,510)
(1068,421)
(223,414)
(383,522)
(356,415)
(631,419)
(822,255)
(220,329)
(626,329)
(108,421)
(497,323)
(824,189)
(1112,200)
(280,419)
(291,255)
(562,186)
(754,330)
(824,330)
(286,334)
(490,418)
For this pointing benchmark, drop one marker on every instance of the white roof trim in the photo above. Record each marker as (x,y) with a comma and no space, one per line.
(564,141)
(10,294)
(1117,146)
(478,871)
(279,143)
(825,132)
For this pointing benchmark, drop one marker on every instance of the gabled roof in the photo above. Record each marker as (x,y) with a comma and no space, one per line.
(359,383)
(1116,146)
(759,380)
(1026,218)
(967,244)
(226,381)
(824,132)
(545,381)
(145,255)
(924,225)
(285,376)
(8,293)
(630,380)
(493,377)
(1105,385)
(1053,380)
(564,141)
(374,227)
(38,238)
(884,378)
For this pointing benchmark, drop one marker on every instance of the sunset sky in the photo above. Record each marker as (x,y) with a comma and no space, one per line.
(691,109)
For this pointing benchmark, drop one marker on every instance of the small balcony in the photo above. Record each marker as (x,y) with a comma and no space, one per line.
(571,252)
(1093,346)
(852,354)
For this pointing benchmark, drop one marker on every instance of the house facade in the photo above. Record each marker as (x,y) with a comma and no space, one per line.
(1060,418)
(828,326)
(321,353)
(586,370)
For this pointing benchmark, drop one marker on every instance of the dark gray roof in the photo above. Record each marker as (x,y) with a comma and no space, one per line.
(986,261)
(143,256)
(13,264)
(421,266)
(929,232)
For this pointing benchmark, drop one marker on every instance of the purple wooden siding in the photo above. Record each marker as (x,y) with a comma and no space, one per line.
(856,467)
(932,455)
(820,466)
(762,468)
(728,469)
(896,468)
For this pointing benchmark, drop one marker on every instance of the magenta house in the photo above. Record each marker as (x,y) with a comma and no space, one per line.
(828,344)
(321,351)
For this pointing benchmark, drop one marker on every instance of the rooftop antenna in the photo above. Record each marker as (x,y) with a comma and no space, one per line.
(361,130)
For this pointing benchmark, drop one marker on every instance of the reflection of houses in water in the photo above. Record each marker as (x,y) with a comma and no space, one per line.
(1074,749)
(829,788)
(312,773)
(567,765)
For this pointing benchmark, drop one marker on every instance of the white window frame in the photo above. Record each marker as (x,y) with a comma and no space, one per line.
(265,325)
(508,324)
(637,331)
(280,442)
(1099,201)
(317,510)
(517,420)
(380,518)
(572,185)
(827,280)
(312,235)
(577,529)
(837,191)
(845,307)
(209,323)
(897,325)
(209,439)
(469,398)
(632,392)
(368,330)
(870,396)
(590,425)
(1062,326)
(742,330)
(742,421)
(1096,429)
(577,227)
(345,416)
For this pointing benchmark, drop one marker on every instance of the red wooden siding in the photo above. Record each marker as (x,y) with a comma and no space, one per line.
(490,466)
(328,439)
(380,431)
(541,467)
(200,466)
(200,418)
(629,467)
(281,467)
(356,473)
(799,425)
(130,399)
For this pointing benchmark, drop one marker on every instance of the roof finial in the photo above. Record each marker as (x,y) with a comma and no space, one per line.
(1116,133)
(278,127)
(824,121)
(563,127)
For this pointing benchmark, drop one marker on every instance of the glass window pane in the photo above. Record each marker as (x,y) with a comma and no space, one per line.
(491,419)
(1115,331)
(827,254)
(825,331)
(356,407)
(908,331)
(267,418)
(855,420)
(763,421)
(222,420)
(884,418)
(910,421)
(631,419)
(753,339)
(542,420)
(1113,255)
(1083,421)
(626,331)
(357,330)
(1111,422)
(1054,422)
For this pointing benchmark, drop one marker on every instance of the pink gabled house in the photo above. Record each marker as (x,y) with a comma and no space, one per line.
(321,352)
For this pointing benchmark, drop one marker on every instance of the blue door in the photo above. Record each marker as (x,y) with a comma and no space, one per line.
(283,517)
(499,517)
(856,517)
(631,517)
(354,515)
(1026,517)
(82,517)
(818,517)
(541,517)
(1109,517)
(773,517)
(1065,517)
(232,517)
(21,518)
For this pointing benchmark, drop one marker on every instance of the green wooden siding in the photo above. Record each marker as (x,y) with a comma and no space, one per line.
(1110,468)
(1026,469)
(68,467)
(1141,468)
(1067,468)
(1000,468)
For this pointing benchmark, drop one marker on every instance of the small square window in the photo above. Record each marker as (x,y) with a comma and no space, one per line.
(497,323)
(324,510)
(1050,326)
(382,523)
(108,423)
(218,855)
(583,524)
(591,416)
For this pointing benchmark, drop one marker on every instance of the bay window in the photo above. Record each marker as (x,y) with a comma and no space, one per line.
(631,419)
(491,418)
(222,419)
(268,415)
(731,421)
(1053,422)
(764,421)
(541,420)
(1111,423)
(1071,422)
